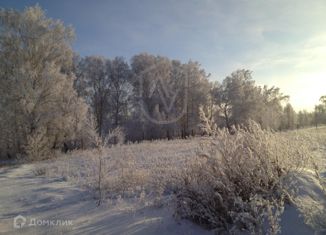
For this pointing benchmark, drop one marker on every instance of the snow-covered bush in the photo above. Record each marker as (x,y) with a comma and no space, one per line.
(38,146)
(236,183)
(116,136)
(207,124)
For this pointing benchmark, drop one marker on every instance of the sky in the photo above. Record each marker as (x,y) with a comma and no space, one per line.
(282,41)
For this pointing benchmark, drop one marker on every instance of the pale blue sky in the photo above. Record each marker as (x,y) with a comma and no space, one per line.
(283,42)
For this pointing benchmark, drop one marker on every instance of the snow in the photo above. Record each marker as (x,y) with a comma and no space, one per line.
(52,198)
(22,193)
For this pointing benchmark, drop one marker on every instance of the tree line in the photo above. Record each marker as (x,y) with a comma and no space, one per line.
(51,98)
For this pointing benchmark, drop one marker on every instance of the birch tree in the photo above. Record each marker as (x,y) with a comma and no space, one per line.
(38,104)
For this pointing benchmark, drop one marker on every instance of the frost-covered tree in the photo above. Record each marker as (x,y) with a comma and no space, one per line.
(319,109)
(272,110)
(239,99)
(93,84)
(207,124)
(197,89)
(140,66)
(39,108)
(323,100)
(320,112)
(223,102)
(119,91)
(153,86)
(168,90)
(305,118)
(288,118)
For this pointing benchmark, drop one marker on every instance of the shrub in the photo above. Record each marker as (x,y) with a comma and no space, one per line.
(116,136)
(38,146)
(236,183)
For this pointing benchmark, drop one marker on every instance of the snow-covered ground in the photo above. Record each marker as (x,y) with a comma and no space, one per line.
(24,194)
(53,197)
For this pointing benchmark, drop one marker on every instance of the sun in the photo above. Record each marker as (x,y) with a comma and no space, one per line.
(306,90)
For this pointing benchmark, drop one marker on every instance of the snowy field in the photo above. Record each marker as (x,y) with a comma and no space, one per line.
(223,155)
(138,181)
